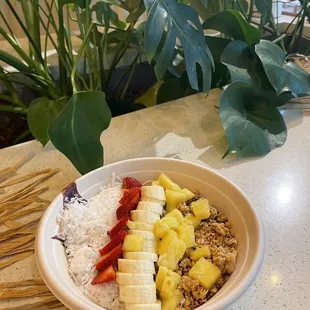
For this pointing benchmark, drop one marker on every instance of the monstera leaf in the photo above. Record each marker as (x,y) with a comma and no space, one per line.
(173,20)
(77,129)
(253,124)
(232,24)
(265,8)
(282,76)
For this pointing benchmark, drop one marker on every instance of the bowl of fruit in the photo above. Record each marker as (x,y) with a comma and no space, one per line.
(150,233)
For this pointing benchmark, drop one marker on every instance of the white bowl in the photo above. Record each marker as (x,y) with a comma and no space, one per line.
(227,197)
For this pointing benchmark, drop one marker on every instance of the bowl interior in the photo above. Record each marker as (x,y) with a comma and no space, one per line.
(221,193)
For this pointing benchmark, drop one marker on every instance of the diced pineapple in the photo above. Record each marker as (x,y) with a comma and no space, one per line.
(174,198)
(156,183)
(176,214)
(188,194)
(204,251)
(174,253)
(133,243)
(191,219)
(201,208)
(163,244)
(205,272)
(172,222)
(173,302)
(161,229)
(140,226)
(186,233)
(160,277)
(170,284)
(167,183)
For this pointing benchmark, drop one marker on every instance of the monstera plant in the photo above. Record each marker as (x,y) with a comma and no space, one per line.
(73,111)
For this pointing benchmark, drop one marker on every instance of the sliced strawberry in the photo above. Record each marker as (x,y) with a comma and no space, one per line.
(117,240)
(105,275)
(108,258)
(131,182)
(120,225)
(125,209)
(129,194)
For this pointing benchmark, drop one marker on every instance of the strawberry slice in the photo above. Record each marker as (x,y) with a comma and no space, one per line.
(105,275)
(129,194)
(125,209)
(117,240)
(131,182)
(120,225)
(108,258)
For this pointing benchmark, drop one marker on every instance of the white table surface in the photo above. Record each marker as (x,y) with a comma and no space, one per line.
(278,184)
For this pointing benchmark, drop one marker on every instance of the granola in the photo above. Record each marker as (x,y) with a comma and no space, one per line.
(217,233)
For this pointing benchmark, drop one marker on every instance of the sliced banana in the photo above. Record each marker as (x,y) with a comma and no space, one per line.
(134,278)
(150,206)
(136,266)
(144,216)
(140,226)
(141,255)
(146,234)
(150,246)
(156,306)
(155,192)
(161,202)
(138,294)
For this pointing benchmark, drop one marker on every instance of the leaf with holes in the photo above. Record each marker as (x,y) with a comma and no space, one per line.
(253,124)
(178,21)
(41,113)
(76,131)
(234,26)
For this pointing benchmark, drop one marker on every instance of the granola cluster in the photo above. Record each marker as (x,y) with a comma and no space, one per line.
(217,233)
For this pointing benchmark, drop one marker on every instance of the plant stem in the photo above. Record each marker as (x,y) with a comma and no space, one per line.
(22,136)
(8,26)
(242,10)
(9,108)
(251,11)
(133,67)
(279,39)
(276,32)
(302,25)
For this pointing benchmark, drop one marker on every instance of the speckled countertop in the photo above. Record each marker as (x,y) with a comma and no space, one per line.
(278,184)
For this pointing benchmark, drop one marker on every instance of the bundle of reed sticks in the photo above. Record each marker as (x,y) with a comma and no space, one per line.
(21,208)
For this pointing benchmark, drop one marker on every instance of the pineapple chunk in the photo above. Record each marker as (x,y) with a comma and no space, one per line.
(170,284)
(174,198)
(161,228)
(140,226)
(172,222)
(201,208)
(205,272)
(173,302)
(186,233)
(176,214)
(160,277)
(174,253)
(167,183)
(165,242)
(188,194)
(191,219)
(133,243)
(204,251)
(156,183)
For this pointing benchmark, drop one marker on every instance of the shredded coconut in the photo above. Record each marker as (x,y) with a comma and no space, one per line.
(84,226)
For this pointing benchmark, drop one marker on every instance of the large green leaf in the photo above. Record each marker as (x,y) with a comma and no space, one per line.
(232,24)
(282,76)
(265,8)
(76,131)
(182,22)
(41,113)
(252,124)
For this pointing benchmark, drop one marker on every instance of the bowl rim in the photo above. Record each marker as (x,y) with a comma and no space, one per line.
(224,302)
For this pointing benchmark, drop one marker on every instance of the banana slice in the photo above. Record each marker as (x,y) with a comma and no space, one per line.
(155,192)
(146,234)
(150,206)
(136,266)
(141,255)
(134,278)
(144,216)
(156,306)
(140,226)
(148,199)
(150,246)
(138,294)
